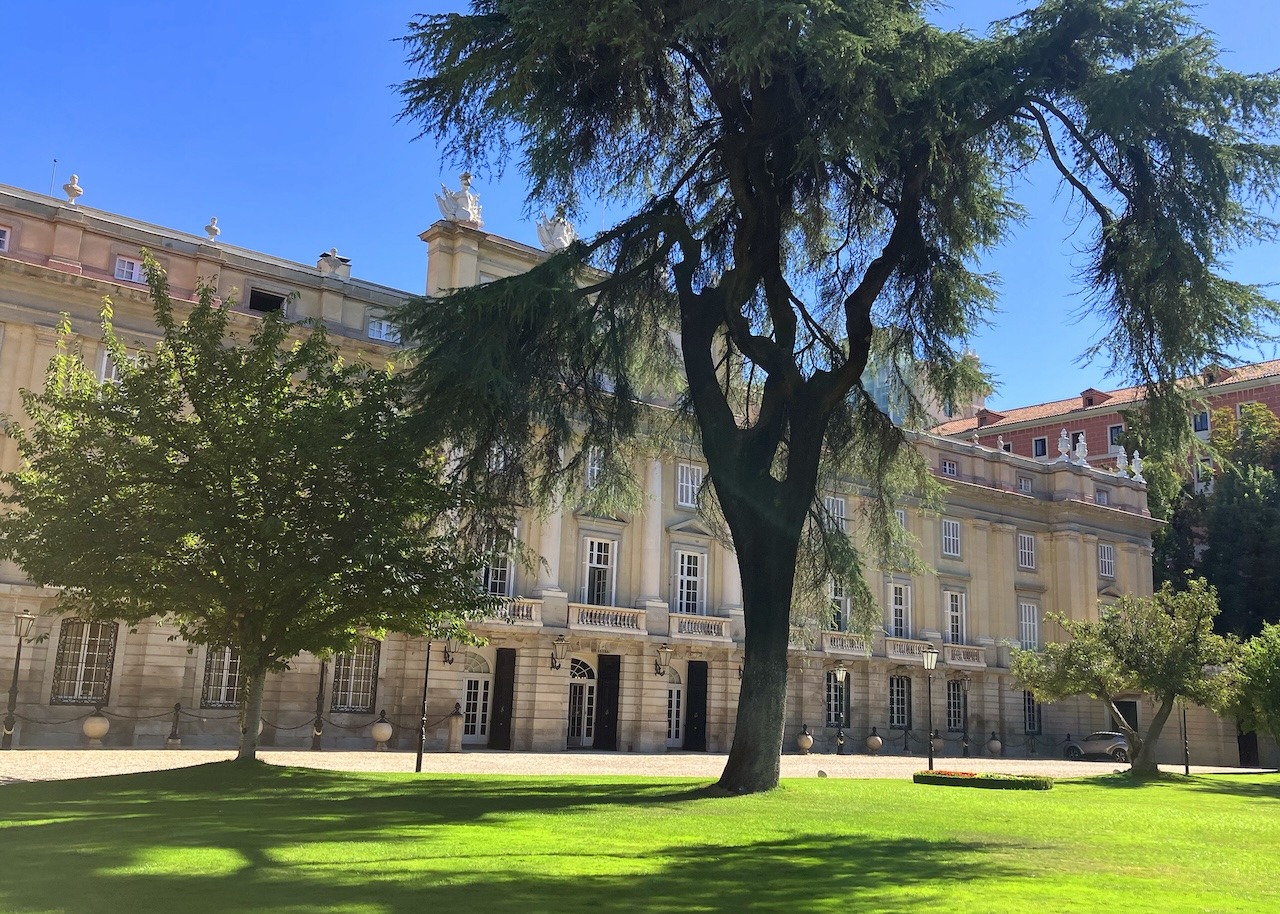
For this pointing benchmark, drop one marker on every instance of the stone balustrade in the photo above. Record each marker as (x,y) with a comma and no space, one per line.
(964,655)
(607,618)
(846,643)
(691,626)
(518,612)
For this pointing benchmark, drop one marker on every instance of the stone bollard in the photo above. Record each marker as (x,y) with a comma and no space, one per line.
(455,729)
(175,738)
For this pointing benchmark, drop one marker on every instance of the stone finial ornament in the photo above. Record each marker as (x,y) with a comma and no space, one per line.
(460,205)
(999,442)
(72,189)
(1122,463)
(1137,467)
(557,233)
(1064,447)
(212,230)
(1082,452)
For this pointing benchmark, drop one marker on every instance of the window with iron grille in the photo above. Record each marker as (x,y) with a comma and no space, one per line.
(221,678)
(951,538)
(1106,560)
(899,703)
(1029,626)
(1030,713)
(1026,551)
(837,700)
(835,505)
(82,668)
(953,602)
(690,577)
(598,573)
(688,482)
(955,705)
(355,678)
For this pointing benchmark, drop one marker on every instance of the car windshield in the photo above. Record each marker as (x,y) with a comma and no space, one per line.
(1101,735)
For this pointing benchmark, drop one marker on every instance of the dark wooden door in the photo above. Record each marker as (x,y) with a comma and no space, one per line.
(1129,711)
(504,691)
(695,720)
(1247,743)
(610,667)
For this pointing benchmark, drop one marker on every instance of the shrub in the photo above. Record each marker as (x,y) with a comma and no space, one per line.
(988,781)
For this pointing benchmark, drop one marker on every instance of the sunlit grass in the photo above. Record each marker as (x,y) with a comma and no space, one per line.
(231,838)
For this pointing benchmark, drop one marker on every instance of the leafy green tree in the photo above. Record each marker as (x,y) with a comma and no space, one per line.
(801,181)
(1254,699)
(1163,646)
(260,493)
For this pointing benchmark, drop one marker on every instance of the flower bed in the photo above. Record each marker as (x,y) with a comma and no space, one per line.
(987,781)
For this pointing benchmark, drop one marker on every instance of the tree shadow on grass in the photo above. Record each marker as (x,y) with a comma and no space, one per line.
(249,840)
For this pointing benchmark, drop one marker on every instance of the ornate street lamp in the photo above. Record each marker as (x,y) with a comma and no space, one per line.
(559,651)
(842,673)
(451,648)
(964,709)
(663,663)
(22,623)
(930,655)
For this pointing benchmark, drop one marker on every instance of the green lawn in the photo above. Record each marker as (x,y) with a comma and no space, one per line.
(230,838)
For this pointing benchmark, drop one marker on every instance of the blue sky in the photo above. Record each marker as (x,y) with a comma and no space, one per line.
(279,118)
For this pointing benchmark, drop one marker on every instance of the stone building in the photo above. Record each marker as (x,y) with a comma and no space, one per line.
(628,635)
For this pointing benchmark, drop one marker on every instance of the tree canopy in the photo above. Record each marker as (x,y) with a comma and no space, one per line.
(260,494)
(808,185)
(1163,646)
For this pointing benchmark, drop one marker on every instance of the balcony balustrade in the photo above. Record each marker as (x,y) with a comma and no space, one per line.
(689,626)
(964,655)
(518,612)
(607,618)
(907,650)
(846,643)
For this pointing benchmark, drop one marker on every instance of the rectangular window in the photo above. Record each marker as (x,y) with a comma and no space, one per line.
(1076,438)
(837,707)
(595,465)
(839,605)
(1240,407)
(4,239)
(1026,484)
(355,678)
(900,610)
(1026,550)
(129,270)
(264,302)
(690,575)
(1106,560)
(1114,434)
(955,705)
(951,538)
(1200,421)
(1030,713)
(221,678)
(688,482)
(899,703)
(1029,626)
(901,515)
(1039,447)
(384,330)
(598,576)
(82,668)
(953,605)
(835,505)
(1102,496)
(949,468)
(1007,447)
(497,577)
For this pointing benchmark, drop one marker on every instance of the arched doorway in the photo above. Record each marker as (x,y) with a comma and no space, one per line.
(675,709)
(475,701)
(582,704)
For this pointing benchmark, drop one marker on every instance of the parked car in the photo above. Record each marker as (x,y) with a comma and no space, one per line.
(1103,744)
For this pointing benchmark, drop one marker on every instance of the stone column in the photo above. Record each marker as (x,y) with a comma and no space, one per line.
(651,536)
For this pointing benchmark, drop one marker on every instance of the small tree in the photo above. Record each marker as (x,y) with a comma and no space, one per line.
(1163,646)
(1254,698)
(262,495)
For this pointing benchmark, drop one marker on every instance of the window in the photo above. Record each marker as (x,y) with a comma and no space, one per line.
(1026,550)
(899,703)
(475,699)
(1200,421)
(1088,401)
(955,705)
(1114,434)
(835,505)
(901,515)
(221,678)
(690,575)
(382,329)
(1106,560)
(839,604)
(264,301)
(1102,496)
(949,468)
(1026,484)
(4,238)
(129,270)
(1039,447)
(1076,438)
(598,577)
(688,482)
(900,610)
(82,668)
(1240,408)
(1030,713)
(355,678)
(595,465)
(1029,626)
(953,606)
(497,577)
(837,700)
(951,538)
(1007,447)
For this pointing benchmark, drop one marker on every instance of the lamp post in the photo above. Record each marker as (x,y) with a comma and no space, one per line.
(1186,743)
(422,726)
(841,673)
(663,662)
(964,709)
(22,623)
(559,651)
(930,655)
(317,728)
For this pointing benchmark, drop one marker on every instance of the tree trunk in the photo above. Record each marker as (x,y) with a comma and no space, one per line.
(767,563)
(251,715)
(1144,760)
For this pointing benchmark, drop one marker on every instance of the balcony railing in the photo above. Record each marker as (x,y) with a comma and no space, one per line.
(963,655)
(518,612)
(905,649)
(845,643)
(689,626)
(607,618)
